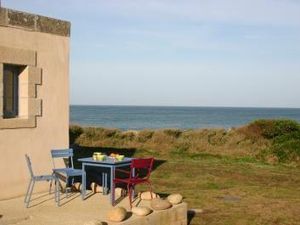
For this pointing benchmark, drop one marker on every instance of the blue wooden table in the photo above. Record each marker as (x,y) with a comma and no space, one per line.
(110,163)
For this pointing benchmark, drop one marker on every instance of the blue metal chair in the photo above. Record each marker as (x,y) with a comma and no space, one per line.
(67,172)
(33,179)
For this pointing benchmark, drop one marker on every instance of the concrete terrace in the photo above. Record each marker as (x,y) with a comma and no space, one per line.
(74,211)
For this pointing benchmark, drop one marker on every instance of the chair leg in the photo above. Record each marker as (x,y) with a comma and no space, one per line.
(129,194)
(26,196)
(83,185)
(57,191)
(113,193)
(150,187)
(50,187)
(133,193)
(30,193)
(67,187)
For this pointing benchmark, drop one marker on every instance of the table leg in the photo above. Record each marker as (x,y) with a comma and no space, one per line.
(106,183)
(133,192)
(103,185)
(112,176)
(83,182)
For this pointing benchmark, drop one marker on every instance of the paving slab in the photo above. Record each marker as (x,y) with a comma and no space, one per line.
(74,211)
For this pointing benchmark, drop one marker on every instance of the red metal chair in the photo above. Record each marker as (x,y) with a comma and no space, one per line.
(140,170)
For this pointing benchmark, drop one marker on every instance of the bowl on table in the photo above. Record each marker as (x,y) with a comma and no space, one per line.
(99,156)
(120,157)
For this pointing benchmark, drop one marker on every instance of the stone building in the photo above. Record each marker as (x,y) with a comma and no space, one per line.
(34,96)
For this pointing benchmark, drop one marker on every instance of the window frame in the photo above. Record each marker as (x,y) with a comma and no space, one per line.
(15,70)
(30,77)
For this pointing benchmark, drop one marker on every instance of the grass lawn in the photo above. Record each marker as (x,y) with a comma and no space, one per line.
(247,175)
(232,191)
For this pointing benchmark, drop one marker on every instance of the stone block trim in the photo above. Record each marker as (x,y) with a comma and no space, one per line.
(34,107)
(29,105)
(17,56)
(32,22)
(1,90)
(35,75)
(17,123)
(177,215)
(20,19)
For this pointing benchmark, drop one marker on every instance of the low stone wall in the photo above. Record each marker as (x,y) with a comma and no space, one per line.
(177,215)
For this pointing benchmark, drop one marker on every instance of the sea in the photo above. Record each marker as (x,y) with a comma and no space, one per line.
(157,117)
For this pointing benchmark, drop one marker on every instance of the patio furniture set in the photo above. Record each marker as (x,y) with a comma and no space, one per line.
(139,173)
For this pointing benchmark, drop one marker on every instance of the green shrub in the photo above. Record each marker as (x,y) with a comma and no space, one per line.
(285,136)
(181,147)
(270,141)
(173,132)
(90,133)
(74,132)
(126,135)
(274,128)
(287,147)
(145,135)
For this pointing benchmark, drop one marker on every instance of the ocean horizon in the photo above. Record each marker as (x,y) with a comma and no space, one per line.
(182,117)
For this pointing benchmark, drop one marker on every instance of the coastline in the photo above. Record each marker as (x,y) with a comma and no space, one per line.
(162,117)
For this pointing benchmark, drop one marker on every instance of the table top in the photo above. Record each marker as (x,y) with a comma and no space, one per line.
(108,160)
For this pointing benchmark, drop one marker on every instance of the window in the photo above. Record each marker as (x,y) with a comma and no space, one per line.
(11,90)
(19,81)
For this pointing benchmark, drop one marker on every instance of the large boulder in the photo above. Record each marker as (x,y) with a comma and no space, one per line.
(146,195)
(160,204)
(175,199)
(96,188)
(141,211)
(117,214)
(76,187)
(120,192)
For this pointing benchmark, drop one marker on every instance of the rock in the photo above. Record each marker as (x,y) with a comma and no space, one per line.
(94,222)
(117,214)
(146,195)
(141,211)
(160,204)
(76,187)
(175,199)
(96,188)
(120,192)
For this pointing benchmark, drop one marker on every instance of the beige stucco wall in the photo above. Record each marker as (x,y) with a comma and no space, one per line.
(51,131)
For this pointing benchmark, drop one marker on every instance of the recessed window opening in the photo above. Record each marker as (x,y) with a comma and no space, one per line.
(11,90)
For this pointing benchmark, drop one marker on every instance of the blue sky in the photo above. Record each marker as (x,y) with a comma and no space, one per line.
(189,52)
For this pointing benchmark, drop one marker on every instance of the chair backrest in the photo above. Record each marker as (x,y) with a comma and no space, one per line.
(29,165)
(63,153)
(141,168)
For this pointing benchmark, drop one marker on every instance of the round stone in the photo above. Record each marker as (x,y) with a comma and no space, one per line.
(141,210)
(117,214)
(96,188)
(76,187)
(160,204)
(146,195)
(175,199)
(120,192)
